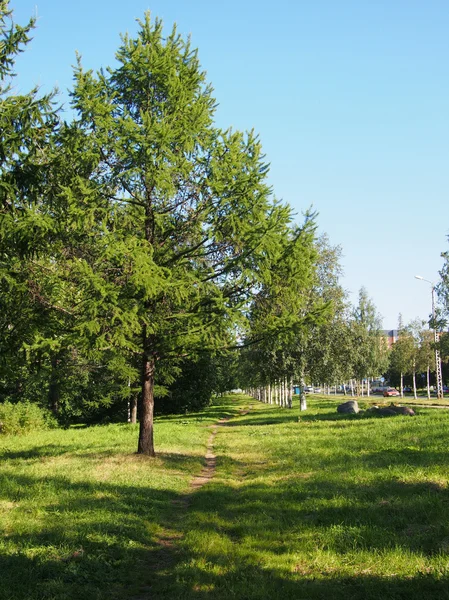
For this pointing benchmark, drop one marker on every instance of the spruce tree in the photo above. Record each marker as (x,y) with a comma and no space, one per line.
(27,124)
(186,225)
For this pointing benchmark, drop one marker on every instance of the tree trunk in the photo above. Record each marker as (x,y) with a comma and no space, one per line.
(302,395)
(402,385)
(133,408)
(146,443)
(54,392)
(414,383)
(428,382)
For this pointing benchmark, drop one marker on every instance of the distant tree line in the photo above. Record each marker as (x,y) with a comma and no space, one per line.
(134,238)
(144,262)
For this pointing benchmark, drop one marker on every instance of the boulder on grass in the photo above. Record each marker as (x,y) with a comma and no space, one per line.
(391,411)
(387,411)
(402,410)
(350,407)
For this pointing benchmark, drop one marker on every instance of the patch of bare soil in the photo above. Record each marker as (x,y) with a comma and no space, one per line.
(167,550)
(208,471)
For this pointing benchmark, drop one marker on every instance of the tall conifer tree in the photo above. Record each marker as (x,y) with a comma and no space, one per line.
(186,225)
(27,124)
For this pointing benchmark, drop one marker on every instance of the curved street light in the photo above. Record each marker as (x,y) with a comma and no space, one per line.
(436,337)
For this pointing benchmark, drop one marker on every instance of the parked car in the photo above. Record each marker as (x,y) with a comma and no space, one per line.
(434,391)
(308,388)
(407,388)
(391,392)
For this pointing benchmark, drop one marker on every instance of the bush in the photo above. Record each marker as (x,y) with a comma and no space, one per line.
(23,417)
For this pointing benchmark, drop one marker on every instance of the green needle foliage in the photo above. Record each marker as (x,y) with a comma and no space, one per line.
(177,224)
(27,125)
(139,243)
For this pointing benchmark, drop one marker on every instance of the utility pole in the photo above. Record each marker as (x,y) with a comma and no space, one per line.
(436,337)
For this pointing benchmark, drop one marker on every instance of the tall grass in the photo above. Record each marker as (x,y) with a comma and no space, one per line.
(330,506)
(23,417)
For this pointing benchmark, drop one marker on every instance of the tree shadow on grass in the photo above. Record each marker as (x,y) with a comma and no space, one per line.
(101,541)
(223,408)
(37,452)
(292,416)
(86,540)
(235,536)
(210,415)
(183,577)
(246,581)
(264,418)
(274,415)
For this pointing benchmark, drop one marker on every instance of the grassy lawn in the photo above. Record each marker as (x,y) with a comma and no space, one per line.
(327,507)
(408,399)
(80,511)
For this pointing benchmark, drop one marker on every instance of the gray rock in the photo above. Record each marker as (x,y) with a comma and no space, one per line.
(350,407)
(391,411)
(386,412)
(402,410)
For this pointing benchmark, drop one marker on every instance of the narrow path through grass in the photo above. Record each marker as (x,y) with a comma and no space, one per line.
(330,506)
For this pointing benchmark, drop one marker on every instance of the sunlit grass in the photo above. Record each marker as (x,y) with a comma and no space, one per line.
(408,399)
(331,506)
(80,512)
(327,506)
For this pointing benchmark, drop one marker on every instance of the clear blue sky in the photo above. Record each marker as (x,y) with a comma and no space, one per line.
(350,98)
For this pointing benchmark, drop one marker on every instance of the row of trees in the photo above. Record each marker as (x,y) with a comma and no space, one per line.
(143,255)
(349,348)
(346,344)
(413,354)
(134,239)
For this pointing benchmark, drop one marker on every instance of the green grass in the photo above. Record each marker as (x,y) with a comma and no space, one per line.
(80,511)
(330,506)
(408,399)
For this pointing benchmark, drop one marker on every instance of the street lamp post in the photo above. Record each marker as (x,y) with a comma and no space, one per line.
(436,336)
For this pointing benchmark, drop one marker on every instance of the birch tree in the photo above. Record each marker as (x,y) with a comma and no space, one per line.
(371,352)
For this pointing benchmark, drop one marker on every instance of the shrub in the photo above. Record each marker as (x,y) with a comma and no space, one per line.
(23,417)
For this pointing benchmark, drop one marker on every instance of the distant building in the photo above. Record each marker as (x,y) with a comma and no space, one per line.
(391,335)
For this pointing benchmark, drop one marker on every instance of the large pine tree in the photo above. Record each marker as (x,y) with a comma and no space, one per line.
(186,227)
(27,124)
